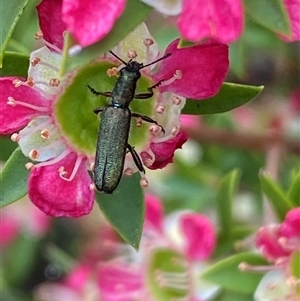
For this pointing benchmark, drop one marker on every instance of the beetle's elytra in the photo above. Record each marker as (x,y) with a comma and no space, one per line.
(112,143)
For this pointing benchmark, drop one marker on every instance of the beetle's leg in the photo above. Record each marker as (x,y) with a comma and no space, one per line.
(148,94)
(136,158)
(106,94)
(148,119)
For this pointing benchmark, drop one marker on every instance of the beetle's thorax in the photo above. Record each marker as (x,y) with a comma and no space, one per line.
(124,90)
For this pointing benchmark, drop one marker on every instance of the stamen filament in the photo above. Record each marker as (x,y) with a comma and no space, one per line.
(55,160)
(74,171)
(12,101)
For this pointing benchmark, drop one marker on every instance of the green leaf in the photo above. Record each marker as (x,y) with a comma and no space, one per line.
(134,14)
(11,11)
(276,196)
(270,14)
(227,274)
(226,192)
(167,262)
(14,64)
(294,190)
(230,96)
(125,209)
(6,148)
(13,178)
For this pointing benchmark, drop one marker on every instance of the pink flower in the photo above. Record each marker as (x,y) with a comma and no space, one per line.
(87,21)
(279,244)
(222,20)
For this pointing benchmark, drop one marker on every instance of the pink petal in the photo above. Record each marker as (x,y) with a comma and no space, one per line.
(290,228)
(293,9)
(89,21)
(78,278)
(58,197)
(9,228)
(164,151)
(222,20)
(154,211)
(200,235)
(204,68)
(120,281)
(50,20)
(13,118)
(267,241)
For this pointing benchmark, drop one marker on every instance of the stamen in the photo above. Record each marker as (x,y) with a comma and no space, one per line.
(15,137)
(139,121)
(30,130)
(172,280)
(144,182)
(34,154)
(244,266)
(30,82)
(35,61)
(45,134)
(112,71)
(43,63)
(131,54)
(128,171)
(75,169)
(39,36)
(54,82)
(55,160)
(289,244)
(176,100)
(92,187)
(176,75)
(160,109)
(147,159)
(148,42)
(155,129)
(174,131)
(17,83)
(62,171)
(12,102)
(92,166)
(29,165)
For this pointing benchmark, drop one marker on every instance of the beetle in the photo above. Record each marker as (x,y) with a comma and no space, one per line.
(112,143)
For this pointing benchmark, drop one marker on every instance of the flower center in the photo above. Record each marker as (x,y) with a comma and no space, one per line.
(74,110)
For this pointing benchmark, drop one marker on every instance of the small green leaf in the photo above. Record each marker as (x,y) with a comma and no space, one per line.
(295,264)
(134,14)
(125,209)
(162,264)
(276,196)
(227,274)
(230,96)
(6,148)
(11,11)
(270,14)
(13,178)
(14,64)
(225,197)
(294,190)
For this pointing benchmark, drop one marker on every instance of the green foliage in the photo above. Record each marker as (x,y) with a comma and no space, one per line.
(294,190)
(279,199)
(11,11)
(227,274)
(229,97)
(125,209)
(14,64)
(13,178)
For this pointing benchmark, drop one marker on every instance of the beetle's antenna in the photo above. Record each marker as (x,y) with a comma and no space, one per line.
(160,59)
(118,58)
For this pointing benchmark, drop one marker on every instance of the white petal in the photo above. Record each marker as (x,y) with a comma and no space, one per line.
(166,7)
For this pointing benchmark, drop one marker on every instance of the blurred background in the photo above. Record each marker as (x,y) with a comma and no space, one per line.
(262,135)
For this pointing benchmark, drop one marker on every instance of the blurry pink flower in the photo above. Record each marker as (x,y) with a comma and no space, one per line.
(280,245)
(22,217)
(87,21)
(292,8)
(222,20)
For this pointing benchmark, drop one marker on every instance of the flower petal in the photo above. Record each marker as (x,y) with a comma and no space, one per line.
(291,225)
(200,236)
(293,8)
(222,20)
(89,21)
(154,212)
(50,20)
(203,67)
(58,197)
(13,118)
(267,241)
(164,151)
